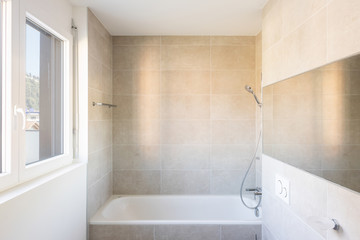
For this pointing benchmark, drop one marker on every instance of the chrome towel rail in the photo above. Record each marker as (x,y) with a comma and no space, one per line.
(103,104)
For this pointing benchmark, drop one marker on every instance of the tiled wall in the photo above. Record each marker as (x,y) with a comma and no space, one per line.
(258,75)
(179,232)
(100,118)
(299,36)
(311,121)
(184,123)
(302,35)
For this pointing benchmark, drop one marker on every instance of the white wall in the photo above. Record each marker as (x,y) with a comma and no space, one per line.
(52,207)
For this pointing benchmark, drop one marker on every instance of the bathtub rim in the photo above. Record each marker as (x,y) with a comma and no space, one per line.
(98,219)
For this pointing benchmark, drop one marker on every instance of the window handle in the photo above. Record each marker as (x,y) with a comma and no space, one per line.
(21,111)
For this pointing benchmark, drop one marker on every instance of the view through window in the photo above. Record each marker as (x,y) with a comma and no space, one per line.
(44,94)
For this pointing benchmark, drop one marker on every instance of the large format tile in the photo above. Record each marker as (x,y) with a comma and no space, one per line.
(185,182)
(129,82)
(232,107)
(136,157)
(232,82)
(121,232)
(136,58)
(241,232)
(137,182)
(182,157)
(304,49)
(343,28)
(185,132)
(187,232)
(185,82)
(185,107)
(233,57)
(185,57)
(233,132)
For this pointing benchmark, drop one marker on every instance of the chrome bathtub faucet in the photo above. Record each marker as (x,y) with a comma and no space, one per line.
(257,191)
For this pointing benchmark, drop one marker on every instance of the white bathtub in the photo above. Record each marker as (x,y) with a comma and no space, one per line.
(162,209)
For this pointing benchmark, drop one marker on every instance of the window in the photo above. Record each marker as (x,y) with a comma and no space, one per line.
(35,100)
(44,94)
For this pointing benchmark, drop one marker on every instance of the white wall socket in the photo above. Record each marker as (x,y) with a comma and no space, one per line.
(282,188)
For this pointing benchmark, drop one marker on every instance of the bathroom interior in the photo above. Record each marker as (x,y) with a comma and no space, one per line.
(174,120)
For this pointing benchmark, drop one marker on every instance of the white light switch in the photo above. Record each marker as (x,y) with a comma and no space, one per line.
(282,188)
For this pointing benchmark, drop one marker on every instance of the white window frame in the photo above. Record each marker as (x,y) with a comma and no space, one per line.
(30,171)
(15,170)
(10,173)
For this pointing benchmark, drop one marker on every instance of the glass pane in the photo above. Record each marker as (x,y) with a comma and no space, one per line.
(44,94)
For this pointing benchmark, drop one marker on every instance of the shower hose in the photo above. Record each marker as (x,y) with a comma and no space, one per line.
(246,175)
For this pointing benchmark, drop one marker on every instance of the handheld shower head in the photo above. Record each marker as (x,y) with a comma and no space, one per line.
(249,89)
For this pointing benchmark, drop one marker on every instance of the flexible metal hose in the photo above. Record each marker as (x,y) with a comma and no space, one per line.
(245,176)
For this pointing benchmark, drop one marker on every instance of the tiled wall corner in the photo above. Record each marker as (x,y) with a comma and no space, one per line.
(100,118)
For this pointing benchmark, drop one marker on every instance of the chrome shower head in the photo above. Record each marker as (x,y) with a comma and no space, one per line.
(249,89)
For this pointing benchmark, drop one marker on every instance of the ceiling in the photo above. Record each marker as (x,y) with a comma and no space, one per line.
(178,17)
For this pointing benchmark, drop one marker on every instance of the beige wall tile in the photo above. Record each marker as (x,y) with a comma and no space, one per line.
(233,157)
(232,232)
(233,57)
(142,132)
(185,82)
(304,49)
(100,135)
(185,182)
(343,29)
(229,181)
(99,164)
(181,89)
(99,113)
(233,40)
(128,232)
(95,70)
(296,12)
(187,232)
(185,107)
(185,157)
(100,119)
(273,64)
(136,57)
(136,107)
(232,107)
(136,157)
(136,182)
(272,23)
(185,57)
(233,132)
(136,41)
(185,132)
(232,82)
(258,51)
(136,82)
(185,40)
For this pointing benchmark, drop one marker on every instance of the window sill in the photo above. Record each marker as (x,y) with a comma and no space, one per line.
(20,189)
